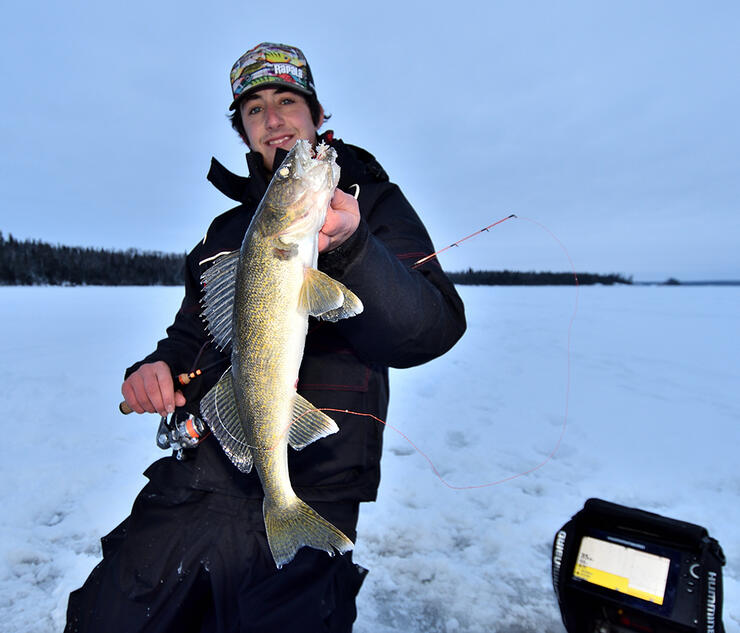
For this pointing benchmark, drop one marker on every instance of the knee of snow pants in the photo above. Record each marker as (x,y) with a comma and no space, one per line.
(188,560)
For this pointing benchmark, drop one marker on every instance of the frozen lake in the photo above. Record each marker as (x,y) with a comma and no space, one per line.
(653,422)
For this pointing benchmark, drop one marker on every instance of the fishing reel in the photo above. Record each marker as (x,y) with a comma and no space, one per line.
(179,431)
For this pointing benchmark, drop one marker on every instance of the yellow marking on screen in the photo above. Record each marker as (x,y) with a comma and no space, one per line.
(628,570)
(612,581)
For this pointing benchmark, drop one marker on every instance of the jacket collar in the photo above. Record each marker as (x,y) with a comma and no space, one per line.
(358,167)
(241,188)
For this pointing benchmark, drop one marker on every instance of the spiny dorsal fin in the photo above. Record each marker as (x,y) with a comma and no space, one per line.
(309,424)
(218,409)
(219,283)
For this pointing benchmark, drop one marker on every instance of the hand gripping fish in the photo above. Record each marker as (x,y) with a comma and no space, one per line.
(257,301)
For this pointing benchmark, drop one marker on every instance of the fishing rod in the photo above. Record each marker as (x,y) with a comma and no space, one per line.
(483,230)
(189,432)
(183,379)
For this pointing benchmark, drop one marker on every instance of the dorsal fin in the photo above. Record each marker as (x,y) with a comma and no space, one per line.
(219,283)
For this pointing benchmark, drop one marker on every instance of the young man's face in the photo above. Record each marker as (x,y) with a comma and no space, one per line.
(275,117)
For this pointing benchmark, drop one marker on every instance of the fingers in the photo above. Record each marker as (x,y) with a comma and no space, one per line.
(150,390)
(179,399)
(342,201)
(342,219)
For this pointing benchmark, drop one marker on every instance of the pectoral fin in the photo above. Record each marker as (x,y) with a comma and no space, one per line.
(309,424)
(325,298)
(218,409)
(352,306)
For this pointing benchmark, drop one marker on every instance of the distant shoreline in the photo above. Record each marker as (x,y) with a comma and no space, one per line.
(37,263)
(732,282)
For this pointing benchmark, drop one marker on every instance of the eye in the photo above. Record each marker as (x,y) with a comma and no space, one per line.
(287,101)
(284,171)
(254,110)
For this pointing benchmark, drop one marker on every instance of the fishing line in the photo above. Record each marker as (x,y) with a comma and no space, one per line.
(563,428)
(434,468)
(185,378)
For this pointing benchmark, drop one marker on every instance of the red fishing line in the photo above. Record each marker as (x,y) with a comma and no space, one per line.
(552,453)
(555,449)
(442,250)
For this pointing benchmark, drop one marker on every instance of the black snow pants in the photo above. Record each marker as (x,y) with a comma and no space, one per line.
(198,562)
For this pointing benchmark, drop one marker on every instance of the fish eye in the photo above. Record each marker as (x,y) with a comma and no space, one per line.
(284,171)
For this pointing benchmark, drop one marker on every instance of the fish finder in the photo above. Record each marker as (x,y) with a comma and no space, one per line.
(622,570)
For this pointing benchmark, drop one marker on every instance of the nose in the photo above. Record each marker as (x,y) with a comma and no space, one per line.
(272,118)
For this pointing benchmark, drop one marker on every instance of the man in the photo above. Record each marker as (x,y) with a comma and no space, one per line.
(193,555)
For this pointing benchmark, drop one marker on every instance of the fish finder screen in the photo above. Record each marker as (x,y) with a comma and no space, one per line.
(625,569)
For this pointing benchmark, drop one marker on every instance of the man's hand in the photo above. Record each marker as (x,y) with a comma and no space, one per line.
(342,220)
(150,390)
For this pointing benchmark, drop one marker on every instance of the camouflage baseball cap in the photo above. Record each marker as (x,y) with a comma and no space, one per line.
(269,64)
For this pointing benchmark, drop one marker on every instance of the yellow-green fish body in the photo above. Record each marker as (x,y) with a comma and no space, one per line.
(254,410)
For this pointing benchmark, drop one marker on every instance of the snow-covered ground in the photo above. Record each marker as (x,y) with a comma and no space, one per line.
(653,422)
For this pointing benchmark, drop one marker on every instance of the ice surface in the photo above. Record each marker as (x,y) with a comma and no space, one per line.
(654,422)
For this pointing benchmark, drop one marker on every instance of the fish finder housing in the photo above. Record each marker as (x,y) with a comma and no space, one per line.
(623,570)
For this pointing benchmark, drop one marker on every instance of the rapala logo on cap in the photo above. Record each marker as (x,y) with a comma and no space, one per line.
(288,69)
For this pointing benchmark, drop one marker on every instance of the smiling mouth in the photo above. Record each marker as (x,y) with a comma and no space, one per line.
(279,141)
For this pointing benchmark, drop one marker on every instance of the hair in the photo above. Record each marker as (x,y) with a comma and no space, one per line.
(314,107)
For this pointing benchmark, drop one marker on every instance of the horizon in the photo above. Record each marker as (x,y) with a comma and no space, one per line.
(621,277)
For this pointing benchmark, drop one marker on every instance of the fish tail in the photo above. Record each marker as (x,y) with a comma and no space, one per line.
(295,525)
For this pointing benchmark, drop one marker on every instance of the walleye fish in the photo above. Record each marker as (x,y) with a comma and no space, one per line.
(257,301)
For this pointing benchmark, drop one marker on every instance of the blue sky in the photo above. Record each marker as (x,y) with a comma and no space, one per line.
(614,124)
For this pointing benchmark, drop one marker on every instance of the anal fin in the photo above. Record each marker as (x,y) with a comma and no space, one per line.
(309,424)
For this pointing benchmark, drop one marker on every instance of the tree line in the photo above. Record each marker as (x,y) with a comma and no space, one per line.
(32,262)
(472,277)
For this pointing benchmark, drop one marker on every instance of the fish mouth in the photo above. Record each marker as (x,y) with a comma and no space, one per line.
(309,160)
(316,169)
(315,175)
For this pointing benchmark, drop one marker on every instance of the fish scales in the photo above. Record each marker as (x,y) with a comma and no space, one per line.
(254,410)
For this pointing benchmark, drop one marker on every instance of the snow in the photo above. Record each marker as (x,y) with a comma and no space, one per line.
(652,422)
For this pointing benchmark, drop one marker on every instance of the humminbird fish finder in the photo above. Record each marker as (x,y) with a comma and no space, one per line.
(622,570)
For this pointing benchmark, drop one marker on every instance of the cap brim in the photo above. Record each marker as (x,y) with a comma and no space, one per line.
(271,84)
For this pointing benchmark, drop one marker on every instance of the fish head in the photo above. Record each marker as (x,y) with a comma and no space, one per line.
(298,196)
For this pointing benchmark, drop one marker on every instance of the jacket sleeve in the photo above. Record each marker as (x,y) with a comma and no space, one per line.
(410,315)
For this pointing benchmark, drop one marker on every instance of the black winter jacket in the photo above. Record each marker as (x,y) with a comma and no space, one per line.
(410,316)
